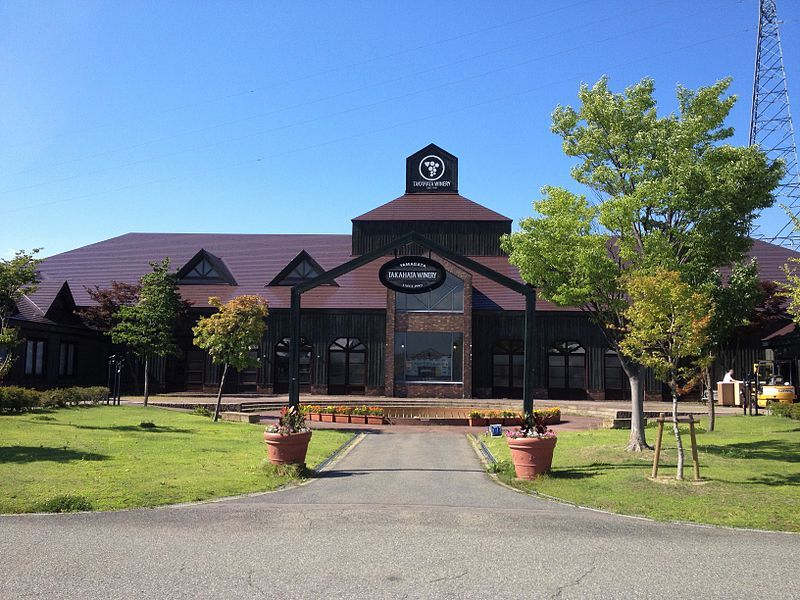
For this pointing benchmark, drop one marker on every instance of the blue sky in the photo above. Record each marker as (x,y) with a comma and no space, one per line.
(281,117)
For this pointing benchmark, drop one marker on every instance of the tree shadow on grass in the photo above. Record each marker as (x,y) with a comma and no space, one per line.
(156,429)
(776,480)
(592,470)
(28,454)
(780,450)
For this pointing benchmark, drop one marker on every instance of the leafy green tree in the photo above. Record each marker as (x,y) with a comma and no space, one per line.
(230,335)
(147,327)
(668,193)
(667,331)
(18,276)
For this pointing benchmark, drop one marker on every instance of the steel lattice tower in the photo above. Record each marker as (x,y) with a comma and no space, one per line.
(770,119)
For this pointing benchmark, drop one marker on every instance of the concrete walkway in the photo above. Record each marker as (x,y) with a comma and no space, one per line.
(403,515)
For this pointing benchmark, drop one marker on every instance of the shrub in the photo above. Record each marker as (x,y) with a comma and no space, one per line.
(73,396)
(789,411)
(201,411)
(18,399)
(147,425)
(64,503)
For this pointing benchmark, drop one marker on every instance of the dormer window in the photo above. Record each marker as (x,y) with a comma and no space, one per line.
(205,268)
(301,268)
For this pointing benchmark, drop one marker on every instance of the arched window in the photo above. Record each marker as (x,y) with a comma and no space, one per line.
(566,370)
(508,367)
(281,366)
(449,297)
(347,364)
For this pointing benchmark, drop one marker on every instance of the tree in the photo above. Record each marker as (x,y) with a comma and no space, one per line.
(667,331)
(147,327)
(230,335)
(107,302)
(668,194)
(734,307)
(18,276)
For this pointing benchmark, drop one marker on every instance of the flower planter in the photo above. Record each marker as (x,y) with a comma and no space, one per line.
(287,449)
(341,418)
(512,421)
(358,419)
(374,420)
(532,456)
(313,416)
(326,417)
(477,422)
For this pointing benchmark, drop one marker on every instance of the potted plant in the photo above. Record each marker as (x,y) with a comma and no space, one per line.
(476,419)
(532,446)
(326,414)
(342,414)
(493,418)
(359,415)
(511,418)
(375,415)
(287,441)
(312,412)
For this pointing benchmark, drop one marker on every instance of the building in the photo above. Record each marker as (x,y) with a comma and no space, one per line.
(463,339)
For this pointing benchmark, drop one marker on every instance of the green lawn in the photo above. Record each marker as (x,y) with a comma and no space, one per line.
(750,467)
(102,454)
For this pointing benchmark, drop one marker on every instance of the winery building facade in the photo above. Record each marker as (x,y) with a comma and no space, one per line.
(463,339)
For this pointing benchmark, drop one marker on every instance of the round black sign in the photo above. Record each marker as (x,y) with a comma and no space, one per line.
(412,274)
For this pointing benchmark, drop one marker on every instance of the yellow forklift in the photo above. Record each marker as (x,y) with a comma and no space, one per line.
(772,381)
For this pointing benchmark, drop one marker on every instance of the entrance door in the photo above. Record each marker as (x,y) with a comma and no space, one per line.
(347,366)
(508,366)
(280,372)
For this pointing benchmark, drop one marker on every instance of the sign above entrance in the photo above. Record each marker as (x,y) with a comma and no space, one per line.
(412,274)
(431,170)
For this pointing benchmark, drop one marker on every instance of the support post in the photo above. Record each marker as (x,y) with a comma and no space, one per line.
(294,349)
(530,351)
(659,437)
(695,459)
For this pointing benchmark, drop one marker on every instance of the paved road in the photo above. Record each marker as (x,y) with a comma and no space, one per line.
(403,515)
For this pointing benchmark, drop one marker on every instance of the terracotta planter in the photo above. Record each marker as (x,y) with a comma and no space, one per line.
(374,420)
(288,449)
(313,416)
(477,422)
(358,419)
(341,418)
(512,421)
(326,417)
(532,456)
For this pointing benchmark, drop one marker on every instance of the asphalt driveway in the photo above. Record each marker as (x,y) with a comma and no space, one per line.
(403,515)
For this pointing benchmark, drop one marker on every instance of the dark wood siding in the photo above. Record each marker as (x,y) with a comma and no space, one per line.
(321,328)
(470,238)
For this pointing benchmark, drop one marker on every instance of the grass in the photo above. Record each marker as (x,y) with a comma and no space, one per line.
(750,468)
(123,457)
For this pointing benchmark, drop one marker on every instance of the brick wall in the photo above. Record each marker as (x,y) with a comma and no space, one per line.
(434,322)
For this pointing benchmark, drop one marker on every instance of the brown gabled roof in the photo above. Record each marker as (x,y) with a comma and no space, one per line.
(771,259)
(431,207)
(255,259)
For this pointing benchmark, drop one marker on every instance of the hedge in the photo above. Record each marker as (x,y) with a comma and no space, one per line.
(72,396)
(790,411)
(18,399)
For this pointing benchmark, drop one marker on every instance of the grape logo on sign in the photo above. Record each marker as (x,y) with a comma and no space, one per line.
(431,167)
